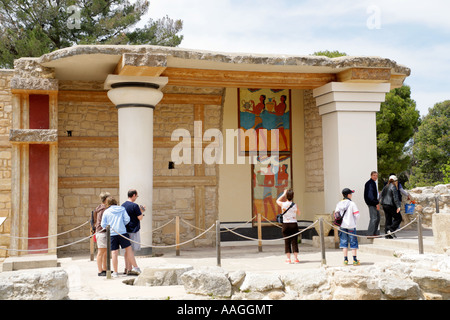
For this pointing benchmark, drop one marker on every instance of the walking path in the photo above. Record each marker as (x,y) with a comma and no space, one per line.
(86,284)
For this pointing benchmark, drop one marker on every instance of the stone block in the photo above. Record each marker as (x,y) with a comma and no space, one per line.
(209,281)
(166,275)
(29,262)
(441,231)
(36,284)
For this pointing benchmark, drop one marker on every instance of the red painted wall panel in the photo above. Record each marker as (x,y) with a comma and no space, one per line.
(39,111)
(38,212)
(38,196)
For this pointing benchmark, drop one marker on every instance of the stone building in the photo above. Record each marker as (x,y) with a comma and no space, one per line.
(87,119)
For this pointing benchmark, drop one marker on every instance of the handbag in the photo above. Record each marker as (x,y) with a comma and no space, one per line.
(337,216)
(280,215)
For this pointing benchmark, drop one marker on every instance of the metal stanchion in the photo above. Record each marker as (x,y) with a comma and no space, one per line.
(108,252)
(91,246)
(259,233)
(419,230)
(322,241)
(177,234)
(218,243)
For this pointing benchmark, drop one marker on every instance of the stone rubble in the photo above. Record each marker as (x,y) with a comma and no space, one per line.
(412,277)
(34,284)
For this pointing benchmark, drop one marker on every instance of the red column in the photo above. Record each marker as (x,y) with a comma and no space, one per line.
(38,209)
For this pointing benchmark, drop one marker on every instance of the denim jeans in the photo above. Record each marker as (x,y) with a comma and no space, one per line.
(374,222)
(346,239)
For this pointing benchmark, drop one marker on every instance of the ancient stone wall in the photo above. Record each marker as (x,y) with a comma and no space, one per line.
(313,145)
(89,164)
(5,156)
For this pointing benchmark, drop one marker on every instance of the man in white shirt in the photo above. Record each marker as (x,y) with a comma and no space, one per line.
(347,231)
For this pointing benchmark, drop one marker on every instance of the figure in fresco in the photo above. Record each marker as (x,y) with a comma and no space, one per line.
(268,114)
(280,110)
(258,122)
(269,182)
(282,178)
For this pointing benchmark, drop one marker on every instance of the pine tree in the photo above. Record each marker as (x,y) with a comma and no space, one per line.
(33,28)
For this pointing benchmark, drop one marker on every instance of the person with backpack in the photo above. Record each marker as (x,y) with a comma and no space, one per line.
(117,218)
(347,231)
(289,226)
(136,214)
(391,203)
(101,233)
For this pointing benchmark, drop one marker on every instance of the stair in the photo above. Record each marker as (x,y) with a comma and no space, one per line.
(407,240)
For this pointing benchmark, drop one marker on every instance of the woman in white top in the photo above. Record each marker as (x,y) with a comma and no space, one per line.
(290,226)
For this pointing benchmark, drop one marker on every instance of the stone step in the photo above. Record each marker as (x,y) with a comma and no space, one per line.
(388,247)
(31,261)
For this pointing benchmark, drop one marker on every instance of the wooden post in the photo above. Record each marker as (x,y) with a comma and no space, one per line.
(108,252)
(177,234)
(91,246)
(322,241)
(336,238)
(218,242)
(419,229)
(259,233)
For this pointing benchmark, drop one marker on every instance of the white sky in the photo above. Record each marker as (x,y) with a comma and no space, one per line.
(415,33)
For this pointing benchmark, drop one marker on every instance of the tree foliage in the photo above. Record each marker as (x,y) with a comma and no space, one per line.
(396,122)
(431,149)
(329,54)
(32,28)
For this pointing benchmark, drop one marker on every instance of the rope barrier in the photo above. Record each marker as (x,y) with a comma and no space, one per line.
(48,249)
(240,226)
(160,227)
(44,237)
(273,223)
(268,240)
(193,239)
(168,246)
(369,237)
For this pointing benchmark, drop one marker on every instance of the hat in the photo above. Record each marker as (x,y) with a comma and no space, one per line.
(393,177)
(347,191)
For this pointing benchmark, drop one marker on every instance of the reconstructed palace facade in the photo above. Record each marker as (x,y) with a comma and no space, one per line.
(194,132)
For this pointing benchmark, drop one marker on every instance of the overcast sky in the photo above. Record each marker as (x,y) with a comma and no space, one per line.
(415,33)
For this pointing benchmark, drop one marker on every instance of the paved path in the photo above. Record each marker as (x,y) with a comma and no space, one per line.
(86,284)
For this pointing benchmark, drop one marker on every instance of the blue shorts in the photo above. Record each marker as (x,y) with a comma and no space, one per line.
(119,240)
(345,238)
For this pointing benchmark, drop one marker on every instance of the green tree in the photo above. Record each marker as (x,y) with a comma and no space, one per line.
(396,122)
(431,149)
(33,28)
(329,54)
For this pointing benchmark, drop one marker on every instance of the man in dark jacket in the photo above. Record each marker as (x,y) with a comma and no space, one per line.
(371,199)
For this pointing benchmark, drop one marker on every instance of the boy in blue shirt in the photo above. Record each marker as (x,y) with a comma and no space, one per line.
(117,218)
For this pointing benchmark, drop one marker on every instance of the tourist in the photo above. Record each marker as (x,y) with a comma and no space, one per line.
(135,212)
(101,234)
(371,199)
(117,218)
(391,206)
(347,231)
(290,226)
(401,191)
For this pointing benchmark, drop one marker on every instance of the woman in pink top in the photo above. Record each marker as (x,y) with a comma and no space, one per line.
(290,226)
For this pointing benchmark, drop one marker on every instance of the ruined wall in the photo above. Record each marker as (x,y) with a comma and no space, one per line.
(5,157)
(89,164)
(313,144)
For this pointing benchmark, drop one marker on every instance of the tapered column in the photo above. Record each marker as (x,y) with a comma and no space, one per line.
(349,132)
(135,99)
